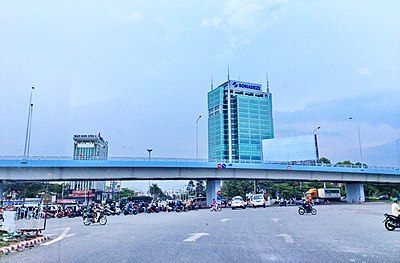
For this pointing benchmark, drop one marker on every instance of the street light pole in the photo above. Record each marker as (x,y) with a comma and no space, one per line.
(197,138)
(359,140)
(397,148)
(316,142)
(149,150)
(28,127)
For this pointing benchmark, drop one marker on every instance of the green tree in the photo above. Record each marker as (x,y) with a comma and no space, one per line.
(155,191)
(200,188)
(233,188)
(325,160)
(191,188)
(126,192)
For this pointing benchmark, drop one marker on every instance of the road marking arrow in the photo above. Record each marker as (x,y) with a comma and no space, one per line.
(195,236)
(275,220)
(287,238)
(60,237)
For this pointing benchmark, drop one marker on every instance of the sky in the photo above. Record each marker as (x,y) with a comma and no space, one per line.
(139,73)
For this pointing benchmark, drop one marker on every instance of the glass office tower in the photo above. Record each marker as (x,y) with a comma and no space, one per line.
(239,121)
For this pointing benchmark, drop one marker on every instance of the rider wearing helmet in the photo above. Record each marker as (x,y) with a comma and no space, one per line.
(395,207)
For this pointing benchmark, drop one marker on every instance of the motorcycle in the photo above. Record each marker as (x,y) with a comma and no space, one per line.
(307,209)
(100,218)
(216,208)
(391,222)
(283,203)
(130,211)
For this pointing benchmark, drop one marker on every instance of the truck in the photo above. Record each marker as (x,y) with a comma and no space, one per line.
(323,195)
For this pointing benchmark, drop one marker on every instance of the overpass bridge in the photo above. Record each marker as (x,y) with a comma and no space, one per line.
(124,168)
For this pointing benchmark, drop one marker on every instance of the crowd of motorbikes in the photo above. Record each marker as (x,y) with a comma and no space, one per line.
(96,213)
(132,208)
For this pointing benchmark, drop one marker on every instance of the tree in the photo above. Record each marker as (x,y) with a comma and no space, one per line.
(126,192)
(200,188)
(233,188)
(191,188)
(155,191)
(325,160)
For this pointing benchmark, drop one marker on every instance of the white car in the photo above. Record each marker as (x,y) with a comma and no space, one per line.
(257,200)
(238,201)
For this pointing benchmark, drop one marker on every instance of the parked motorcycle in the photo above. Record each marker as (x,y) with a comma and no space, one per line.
(100,218)
(130,211)
(307,209)
(391,222)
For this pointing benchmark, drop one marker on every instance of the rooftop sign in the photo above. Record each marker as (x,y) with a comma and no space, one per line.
(245,85)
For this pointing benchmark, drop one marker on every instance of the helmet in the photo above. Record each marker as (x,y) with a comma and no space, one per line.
(395,199)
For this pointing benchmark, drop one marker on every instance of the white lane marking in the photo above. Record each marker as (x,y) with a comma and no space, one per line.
(287,238)
(275,220)
(224,220)
(195,236)
(60,237)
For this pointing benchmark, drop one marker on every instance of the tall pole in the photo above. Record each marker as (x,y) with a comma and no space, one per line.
(397,148)
(28,127)
(197,138)
(149,150)
(229,120)
(316,143)
(359,140)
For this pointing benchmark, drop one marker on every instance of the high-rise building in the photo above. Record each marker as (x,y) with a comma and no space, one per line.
(89,147)
(239,118)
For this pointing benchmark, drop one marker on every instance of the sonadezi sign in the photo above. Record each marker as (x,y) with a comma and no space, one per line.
(246,85)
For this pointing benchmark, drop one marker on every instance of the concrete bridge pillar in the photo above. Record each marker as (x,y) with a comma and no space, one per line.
(1,191)
(212,187)
(355,192)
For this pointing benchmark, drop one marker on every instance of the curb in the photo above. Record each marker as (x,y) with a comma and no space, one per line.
(23,245)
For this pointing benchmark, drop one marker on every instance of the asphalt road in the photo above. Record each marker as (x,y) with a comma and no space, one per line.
(338,233)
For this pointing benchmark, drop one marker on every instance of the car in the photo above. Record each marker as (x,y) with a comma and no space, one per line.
(257,200)
(238,202)
(383,197)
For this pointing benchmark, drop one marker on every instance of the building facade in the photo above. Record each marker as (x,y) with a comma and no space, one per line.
(89,147)
(239,118)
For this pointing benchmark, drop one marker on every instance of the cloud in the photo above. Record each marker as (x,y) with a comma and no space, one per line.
(123,15)
(365,71)
(243,21)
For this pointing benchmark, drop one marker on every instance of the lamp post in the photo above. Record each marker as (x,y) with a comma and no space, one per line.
(28,127)
(359,140)
(316,142)
(397,148)
(197,138)
(149,150)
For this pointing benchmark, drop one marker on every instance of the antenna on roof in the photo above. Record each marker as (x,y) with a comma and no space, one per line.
(267,84)
(228,72)
(212,86)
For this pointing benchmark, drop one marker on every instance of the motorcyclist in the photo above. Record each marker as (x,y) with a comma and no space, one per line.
(395,207)
(306,204)
(92,212)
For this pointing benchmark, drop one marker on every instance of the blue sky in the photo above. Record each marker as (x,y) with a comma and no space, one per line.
(139,72)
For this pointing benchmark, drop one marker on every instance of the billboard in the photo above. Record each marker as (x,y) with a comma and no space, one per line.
(240,85)
(299,148)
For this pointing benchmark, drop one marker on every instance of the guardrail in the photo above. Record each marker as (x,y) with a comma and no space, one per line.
(200,160)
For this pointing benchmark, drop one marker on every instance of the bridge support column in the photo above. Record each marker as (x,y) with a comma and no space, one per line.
(355,193)
(1,191)
(212,187)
